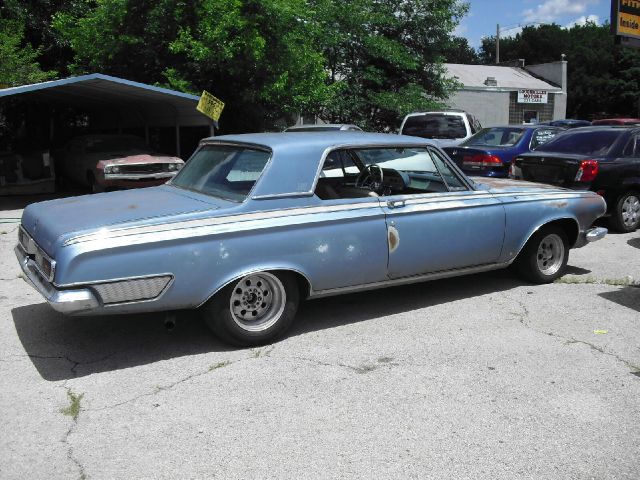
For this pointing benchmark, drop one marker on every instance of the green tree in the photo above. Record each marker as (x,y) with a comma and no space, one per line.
(254,55)
(458,50)
(18,59)
(384,58)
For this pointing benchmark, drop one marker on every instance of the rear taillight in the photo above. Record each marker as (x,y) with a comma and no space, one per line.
(588,171)
(481,161)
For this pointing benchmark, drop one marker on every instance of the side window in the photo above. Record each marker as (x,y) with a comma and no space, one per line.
(542,135)
(632,149)
(338,164)
(454,182)
(474,124)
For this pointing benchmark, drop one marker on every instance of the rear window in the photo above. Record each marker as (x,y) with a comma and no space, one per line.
(582,143)
(496,137)
(222,171)
(435,125)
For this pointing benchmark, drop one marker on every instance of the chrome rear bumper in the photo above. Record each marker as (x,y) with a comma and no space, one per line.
(64,301)
(595,234)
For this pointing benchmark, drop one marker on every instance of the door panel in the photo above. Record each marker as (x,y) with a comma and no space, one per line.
(443,231)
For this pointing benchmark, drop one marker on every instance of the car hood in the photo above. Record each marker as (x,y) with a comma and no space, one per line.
(48,221)
(507,185)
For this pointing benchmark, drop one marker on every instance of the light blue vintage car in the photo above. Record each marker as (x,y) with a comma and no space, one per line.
(255,223)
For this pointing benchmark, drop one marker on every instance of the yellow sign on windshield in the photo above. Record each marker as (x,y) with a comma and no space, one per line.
(210,106)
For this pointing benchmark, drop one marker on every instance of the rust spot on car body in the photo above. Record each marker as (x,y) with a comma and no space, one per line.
(394,238)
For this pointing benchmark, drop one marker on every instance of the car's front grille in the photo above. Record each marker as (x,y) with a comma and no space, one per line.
(143,168)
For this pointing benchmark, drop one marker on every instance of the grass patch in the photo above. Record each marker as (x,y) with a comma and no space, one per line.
(218,365)
(73,410)
(262,352)
(627,281)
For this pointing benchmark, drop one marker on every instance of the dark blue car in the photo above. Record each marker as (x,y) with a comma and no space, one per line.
(489,152)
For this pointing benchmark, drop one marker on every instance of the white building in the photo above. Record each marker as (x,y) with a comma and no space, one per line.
(501,95)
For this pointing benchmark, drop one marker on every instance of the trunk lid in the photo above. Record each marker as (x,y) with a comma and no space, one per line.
(553,168)
(47,221)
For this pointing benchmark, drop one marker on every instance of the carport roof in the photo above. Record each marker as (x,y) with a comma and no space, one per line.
(104,92)
(99,89)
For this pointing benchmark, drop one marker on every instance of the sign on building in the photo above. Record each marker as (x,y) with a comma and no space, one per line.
(625,21)
(533,96)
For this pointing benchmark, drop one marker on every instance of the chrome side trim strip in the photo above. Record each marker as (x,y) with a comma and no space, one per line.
(424,202)
(408,280)
(223,220)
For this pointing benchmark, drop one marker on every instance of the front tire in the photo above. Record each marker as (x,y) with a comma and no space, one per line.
(544,258)
(254,310)
(626,214)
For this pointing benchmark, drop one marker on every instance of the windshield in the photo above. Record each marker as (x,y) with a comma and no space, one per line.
(110,144)
(435,125)
(596,143)
(222,171)
(496,137)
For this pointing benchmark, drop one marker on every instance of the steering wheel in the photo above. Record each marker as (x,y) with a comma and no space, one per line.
(370,179)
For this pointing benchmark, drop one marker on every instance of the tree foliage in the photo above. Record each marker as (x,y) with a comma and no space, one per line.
(603,78)
(18,60)
(365,61)
(384,57)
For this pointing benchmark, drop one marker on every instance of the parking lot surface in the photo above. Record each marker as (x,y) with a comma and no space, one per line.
(482,377)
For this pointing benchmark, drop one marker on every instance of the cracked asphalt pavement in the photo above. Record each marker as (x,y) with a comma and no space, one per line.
(481,377)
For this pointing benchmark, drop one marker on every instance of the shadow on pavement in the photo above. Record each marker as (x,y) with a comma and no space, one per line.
(634,242)
(627,297)
(577,270)
(62,347)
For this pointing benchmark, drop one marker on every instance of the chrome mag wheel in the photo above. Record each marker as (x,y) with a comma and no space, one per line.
(630,211)
(257,301)
(550,255)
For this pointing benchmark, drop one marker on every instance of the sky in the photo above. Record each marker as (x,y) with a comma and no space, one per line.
(512,15)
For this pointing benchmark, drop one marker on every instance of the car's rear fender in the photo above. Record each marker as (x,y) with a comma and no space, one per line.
(575,214)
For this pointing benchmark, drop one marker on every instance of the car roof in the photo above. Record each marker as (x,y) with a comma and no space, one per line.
(296,156)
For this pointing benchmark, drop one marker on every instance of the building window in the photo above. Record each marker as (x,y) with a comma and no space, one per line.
(524,112)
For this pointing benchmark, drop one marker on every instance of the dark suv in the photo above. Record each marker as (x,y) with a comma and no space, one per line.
(602,159)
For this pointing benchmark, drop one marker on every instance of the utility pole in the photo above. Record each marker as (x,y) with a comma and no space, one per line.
(498,44)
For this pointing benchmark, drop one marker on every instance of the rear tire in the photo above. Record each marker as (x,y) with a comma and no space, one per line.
(544,258)
(626,213)
(254,310)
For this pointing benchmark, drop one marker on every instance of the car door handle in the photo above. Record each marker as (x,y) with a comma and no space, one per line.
(395,203)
